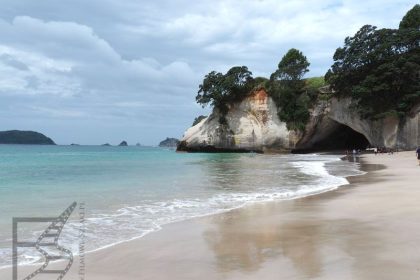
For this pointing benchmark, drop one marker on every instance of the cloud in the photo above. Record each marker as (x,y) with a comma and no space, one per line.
(9,60)
(24,72)
(137,64)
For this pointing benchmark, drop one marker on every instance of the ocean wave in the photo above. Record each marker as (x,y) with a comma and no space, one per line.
(135,221)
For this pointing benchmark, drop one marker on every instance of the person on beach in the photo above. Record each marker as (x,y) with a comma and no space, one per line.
(418,154)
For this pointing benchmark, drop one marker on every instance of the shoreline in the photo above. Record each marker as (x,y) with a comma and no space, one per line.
(192,235)
(336,154)
(219,212)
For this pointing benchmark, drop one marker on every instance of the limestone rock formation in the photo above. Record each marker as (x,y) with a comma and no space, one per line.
(253,125)
(328,117)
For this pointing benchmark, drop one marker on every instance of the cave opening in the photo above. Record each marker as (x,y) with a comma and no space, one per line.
(341,137)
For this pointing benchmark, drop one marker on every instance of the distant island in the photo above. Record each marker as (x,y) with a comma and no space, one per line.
(24,137)
(169,143)
(123,143)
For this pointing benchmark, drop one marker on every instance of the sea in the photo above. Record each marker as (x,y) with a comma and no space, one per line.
(128,192)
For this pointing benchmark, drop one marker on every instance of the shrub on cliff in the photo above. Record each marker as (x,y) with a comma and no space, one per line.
(287,88)
(198,119)
(260,83)
(313,84)
(379,68)
(219,90)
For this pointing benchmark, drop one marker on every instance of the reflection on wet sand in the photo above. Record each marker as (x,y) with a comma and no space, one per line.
(242,242)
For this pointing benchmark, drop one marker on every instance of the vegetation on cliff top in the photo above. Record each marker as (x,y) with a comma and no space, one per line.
(24,137)
(379,68)
(292,94)
(287,88)
(220,90)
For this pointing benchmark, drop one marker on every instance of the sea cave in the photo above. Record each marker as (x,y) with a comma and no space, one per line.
(337,137)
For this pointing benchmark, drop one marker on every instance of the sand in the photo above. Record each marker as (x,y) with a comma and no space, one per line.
(369,229)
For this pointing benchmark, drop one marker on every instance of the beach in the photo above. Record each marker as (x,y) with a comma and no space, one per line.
(368,229)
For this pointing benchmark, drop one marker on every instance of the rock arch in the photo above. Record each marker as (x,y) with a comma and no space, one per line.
(332,135)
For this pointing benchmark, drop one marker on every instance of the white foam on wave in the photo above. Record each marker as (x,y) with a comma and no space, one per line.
(132,222)
(323,180)
(154,215)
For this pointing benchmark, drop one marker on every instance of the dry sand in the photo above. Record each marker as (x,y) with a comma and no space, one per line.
(369,229)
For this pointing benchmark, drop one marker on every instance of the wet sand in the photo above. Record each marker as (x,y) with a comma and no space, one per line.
(369,229)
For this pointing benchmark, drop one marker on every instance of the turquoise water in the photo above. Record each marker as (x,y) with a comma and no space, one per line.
(131,191)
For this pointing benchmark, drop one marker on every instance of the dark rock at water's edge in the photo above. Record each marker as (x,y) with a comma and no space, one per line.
(182,147)
(24,137)
(169,143)
(73,144)
(138,145)
(123,143)
(106,144)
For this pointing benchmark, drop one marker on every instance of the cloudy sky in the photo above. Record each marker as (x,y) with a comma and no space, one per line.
(96,71)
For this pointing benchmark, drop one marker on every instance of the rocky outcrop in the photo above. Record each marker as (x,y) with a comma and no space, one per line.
(169,143)
(408,133)
(389,132)
(253,125)
(24,137)
(123,144)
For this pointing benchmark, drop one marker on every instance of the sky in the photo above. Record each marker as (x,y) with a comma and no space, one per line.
(103,71)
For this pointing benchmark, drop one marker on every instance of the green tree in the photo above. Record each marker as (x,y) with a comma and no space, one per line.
(412,18)
(292,67)
(287,89)
(219,90)
(238,82)
(211,91)
(379,69)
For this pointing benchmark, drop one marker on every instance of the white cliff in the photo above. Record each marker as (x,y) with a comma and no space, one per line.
(387,132)
(253,125)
